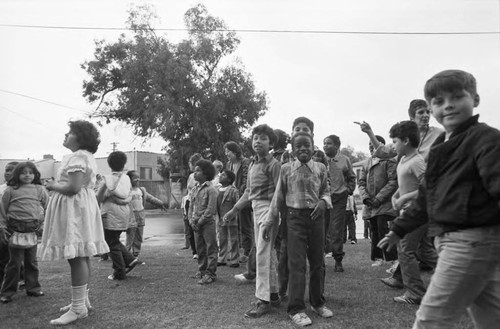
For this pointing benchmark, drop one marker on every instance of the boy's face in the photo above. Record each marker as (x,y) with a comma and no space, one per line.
(134,180)
(302,127)
(261,144)
(198,175)
(8,172)
(330,148)
(451,109)
(223,180)
(422,116)
(303,148)
(399,145)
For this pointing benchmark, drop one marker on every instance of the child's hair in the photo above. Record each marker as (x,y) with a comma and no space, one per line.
(88,137)
(12,163)
(450,81)
(217,163)
(231,177)
(415,105)
(406,129)
(131,173)
(281,139)
(235,148)
(117,160)
(380,139)
(321,157)
(264,129)
(207,168)
(195,158)
(14,179)
(303,134)
(335,139)
(305,120)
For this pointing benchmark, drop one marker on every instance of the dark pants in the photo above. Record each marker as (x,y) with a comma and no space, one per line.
(334,227)
(379,227)
(305,243)
(188,230)
(119,254)
(134,239)
(282,255)
(350,227)
(206,245)
(245,221)
(4,259)
(17,257)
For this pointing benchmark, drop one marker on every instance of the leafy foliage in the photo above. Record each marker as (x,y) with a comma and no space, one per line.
(353,155)
(179,91)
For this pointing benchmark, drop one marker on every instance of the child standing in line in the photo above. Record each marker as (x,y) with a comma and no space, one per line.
(303,188)
(351,214)
(261,184)
(191,183)
(460,199)
(139,198)
(20,211)
(229,251)
(202,210)
(73,226)
(114,195)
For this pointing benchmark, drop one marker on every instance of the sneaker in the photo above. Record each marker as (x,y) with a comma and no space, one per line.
(113,277)
(195,256)
(322,311)
(198,275)
(378,262)
(407,300)
(328,255)
(259,309)
(393,283)
(338,266)
(132,264)
(207,279)
(353,242)
(221,263)
(393,267)
(241,278)
(300,319)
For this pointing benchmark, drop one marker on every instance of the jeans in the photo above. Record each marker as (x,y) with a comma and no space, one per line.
(206,245)
(229,250)
(19,256)
(119,254)
(188,231)
(134,239)
(246,231)
(379,228)
(4,259)
(467,277)
(305,243)
(266,281)
(334,227)
(282,253)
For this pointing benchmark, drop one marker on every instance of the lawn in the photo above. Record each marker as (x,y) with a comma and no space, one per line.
(161,294)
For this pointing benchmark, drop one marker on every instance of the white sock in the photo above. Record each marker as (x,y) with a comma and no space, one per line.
(87,303)
(78,310)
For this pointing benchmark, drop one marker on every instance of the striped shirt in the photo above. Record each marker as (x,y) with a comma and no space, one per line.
(262,180)
(301,186)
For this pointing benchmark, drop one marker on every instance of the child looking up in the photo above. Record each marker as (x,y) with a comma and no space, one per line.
(21,204)
(262,180)
(202,209)
(139,198)
(303,188)
(228,231)
(115,196)
(68,232)
(460,199)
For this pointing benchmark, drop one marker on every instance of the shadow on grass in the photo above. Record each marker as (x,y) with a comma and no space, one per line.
(161,294)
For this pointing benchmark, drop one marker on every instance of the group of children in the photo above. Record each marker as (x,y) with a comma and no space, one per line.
(455,190)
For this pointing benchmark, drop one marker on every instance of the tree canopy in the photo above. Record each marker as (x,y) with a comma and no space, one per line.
(190,93)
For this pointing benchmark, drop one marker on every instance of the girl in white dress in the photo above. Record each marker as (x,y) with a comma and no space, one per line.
(73,226)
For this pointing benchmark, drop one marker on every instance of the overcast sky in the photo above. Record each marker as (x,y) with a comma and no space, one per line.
(332,78)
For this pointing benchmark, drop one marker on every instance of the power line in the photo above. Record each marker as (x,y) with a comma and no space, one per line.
(44,101)
(257,30)
(26,118)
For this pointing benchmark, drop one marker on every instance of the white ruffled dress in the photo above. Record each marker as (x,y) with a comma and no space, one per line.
(73,225)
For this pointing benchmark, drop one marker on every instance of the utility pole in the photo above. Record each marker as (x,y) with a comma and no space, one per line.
(114,145)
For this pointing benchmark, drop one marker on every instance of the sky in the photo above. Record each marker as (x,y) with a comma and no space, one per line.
(332,78)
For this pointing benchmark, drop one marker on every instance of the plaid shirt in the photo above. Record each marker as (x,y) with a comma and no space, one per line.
(262,180)
(301,186)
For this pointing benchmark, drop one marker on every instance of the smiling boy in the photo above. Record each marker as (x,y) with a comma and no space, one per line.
(460,200)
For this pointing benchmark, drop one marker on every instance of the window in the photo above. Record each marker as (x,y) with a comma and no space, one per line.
(146,173)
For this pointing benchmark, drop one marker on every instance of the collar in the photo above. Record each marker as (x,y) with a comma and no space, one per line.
(297,164)
(265,159)
(466,125)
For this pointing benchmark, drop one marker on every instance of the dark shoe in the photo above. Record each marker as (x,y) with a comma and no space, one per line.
(338,266)
(234,265)
(207,279)
(198,275)
(275,302)
(6,299)
(221,264)
(21,285)
(425,268)
(393,283)
(407,300)
(259,309)
(113,277)
(184,248)
(35,293)
(132,264)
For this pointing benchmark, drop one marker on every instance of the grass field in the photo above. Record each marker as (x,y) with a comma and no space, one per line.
(161,294)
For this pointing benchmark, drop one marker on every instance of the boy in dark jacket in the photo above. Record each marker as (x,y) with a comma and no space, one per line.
(460,201)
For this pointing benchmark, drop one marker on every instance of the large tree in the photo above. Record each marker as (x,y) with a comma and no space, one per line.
(189,92)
